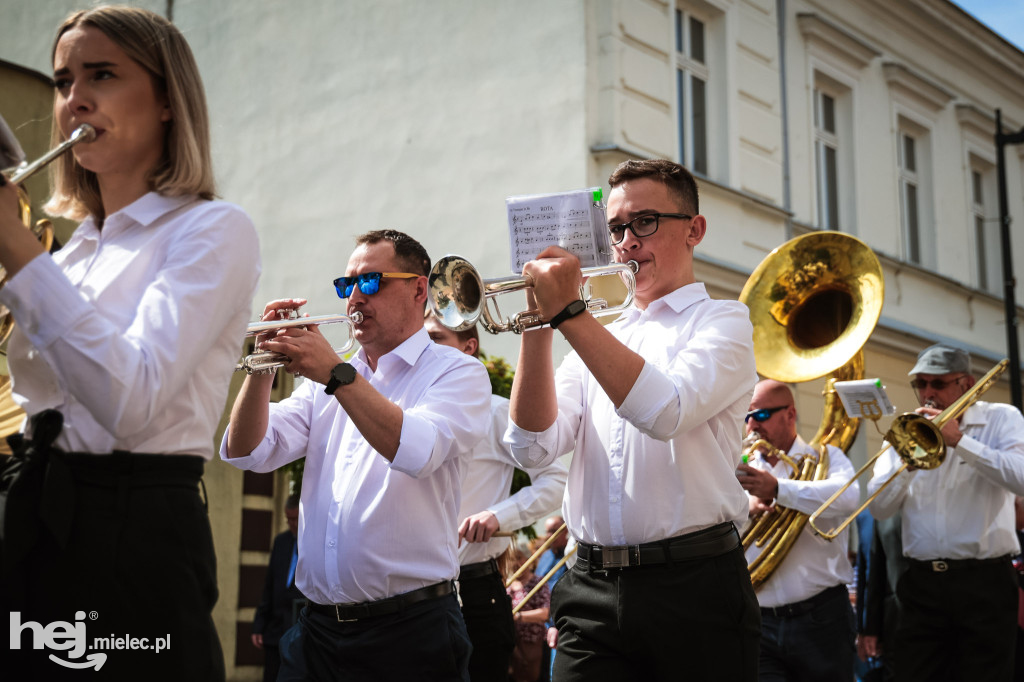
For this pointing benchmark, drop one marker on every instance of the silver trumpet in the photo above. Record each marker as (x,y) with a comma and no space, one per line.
(459,297)
(265,362)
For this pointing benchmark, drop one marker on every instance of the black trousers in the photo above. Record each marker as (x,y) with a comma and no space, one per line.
(960,624)
(487,609)
(696,620)
(426,641)
(134,580)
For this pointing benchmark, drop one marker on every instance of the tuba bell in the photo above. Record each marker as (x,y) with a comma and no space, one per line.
(814,302)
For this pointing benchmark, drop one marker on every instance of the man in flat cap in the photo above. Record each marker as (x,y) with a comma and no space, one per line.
(959,593)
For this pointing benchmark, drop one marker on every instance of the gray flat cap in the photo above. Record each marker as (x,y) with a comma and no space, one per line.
(941,359)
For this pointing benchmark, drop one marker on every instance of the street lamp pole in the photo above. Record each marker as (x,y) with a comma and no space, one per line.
(1009,300)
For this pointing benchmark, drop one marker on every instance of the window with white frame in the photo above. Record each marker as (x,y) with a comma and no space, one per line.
(826,152)
(915,193)
(909,203)
(692,90)
(984,226)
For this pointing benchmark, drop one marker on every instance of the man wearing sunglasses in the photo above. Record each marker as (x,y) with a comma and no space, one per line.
(958,598)
(807,624)
(383,436)
(650,405)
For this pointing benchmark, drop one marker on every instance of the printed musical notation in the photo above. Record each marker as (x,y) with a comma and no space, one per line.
(571,220)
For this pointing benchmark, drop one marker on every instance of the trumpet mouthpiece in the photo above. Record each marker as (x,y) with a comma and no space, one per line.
(356,317)
(85,131)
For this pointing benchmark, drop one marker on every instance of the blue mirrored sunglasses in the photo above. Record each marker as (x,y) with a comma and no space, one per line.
(368,282)
(762,415)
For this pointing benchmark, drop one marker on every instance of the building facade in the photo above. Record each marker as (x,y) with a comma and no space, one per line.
(869,117)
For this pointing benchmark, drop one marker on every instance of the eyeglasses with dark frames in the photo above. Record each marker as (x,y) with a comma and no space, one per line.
(641,226)
(763,414)
(368,282)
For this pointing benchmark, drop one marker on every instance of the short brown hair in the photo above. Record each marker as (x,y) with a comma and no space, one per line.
(671,174)
(410,253)
(158,47)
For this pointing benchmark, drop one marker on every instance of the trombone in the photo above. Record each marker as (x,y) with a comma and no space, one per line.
(917,440)
(547,576)
(459,297)
(265,362)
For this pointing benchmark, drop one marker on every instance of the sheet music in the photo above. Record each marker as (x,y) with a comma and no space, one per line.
(573,220)
(864,398)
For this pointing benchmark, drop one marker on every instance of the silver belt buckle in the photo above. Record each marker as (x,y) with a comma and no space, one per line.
(940,566)
(614,557)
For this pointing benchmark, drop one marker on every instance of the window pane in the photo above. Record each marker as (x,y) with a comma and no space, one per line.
(909,162)
(681,105)
(913,237)
(679,30)
(828,114)
(700,136)
(979,245)
(831,189)
(976,183)
(696,40)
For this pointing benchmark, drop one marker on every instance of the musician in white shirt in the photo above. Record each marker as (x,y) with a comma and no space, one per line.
(125,345)
(807,625)
(958,598)
(651,403)
(384,439)
(487,507)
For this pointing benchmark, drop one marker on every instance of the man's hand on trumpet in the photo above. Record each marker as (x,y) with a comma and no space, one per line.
(309,353)
(554,277)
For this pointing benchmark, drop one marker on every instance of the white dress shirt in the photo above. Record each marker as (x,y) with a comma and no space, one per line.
(813,563)
(664,463)
(132,332)
(486,480)
(369,528)
(962,509)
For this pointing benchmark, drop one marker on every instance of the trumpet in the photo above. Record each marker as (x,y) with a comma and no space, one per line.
(265,362)
(917,440)
(11,152)
(459,297)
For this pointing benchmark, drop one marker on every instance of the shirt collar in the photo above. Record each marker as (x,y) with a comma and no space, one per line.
(675,301)
(144,211)
(408,351)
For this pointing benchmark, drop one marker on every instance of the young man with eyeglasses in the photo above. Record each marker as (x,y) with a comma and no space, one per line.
(383,436)
(650,405)
(807,624)
(958,598)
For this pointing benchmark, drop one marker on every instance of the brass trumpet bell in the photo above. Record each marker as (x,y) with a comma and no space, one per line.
(814,302)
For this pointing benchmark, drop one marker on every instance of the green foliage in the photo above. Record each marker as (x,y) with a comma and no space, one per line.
(501,374)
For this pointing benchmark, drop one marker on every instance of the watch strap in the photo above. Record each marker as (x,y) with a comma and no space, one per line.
(572,310)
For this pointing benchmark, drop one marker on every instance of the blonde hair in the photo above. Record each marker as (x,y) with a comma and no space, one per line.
(158,47)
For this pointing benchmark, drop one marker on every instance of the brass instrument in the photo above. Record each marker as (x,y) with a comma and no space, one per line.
(536,555)
(43,229)
(547,576)
(814,302)
(459,297)
(265,362)
(917,440)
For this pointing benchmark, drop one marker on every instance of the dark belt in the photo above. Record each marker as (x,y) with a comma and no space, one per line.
(478,570)
(383,607)
(799,608)
(702,544)
(943,565)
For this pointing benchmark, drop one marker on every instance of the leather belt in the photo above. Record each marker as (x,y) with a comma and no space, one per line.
(799,608)
(702,544)
(383,607)
(478,570)
(943,565)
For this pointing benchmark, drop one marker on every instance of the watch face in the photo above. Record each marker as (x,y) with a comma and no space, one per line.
(344,373)
(578,307)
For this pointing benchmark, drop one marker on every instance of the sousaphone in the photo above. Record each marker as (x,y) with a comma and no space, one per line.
(814,302)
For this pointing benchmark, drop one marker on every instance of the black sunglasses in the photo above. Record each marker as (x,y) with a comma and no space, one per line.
(368,282)
(936,384)
(762,415)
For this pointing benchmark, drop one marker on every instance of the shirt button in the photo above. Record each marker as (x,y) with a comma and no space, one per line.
(330,543)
